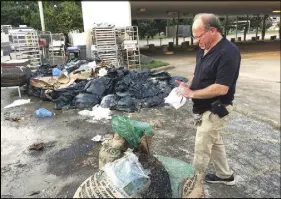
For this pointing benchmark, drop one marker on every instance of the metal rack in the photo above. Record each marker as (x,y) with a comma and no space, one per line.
(105,41)
(27,46)
(58,45)
(47,48)
(130,45)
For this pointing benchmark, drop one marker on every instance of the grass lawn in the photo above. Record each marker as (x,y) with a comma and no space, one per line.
(154,64)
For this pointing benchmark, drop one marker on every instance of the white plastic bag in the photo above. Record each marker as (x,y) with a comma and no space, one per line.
(175,99)
(18,103)
(98,113)
(128,174)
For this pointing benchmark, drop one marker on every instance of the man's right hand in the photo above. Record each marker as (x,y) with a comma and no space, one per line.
(182,83)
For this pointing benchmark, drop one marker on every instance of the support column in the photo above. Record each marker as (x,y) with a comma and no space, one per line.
(173,30)
(263,27)
(225,25)
(41,15)
(177,32)
(279,31)
(236,28)
(191,39)
(98,12)
(246,28)
(257,30)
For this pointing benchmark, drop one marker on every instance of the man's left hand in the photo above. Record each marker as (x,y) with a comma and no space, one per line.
(185,91)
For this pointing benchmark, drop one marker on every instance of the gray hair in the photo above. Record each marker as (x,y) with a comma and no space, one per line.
(209,20)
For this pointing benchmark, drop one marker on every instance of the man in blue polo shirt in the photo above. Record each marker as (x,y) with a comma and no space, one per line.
(212,89)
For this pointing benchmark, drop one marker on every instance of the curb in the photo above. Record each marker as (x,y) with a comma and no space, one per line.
(169,67)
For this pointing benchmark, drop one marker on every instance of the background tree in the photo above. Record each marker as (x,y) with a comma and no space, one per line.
(59,16)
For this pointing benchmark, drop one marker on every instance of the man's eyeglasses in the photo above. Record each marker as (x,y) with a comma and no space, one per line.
(199,37)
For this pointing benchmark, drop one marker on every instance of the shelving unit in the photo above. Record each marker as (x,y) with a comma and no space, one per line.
(130,47)
(105,41)
(27,47)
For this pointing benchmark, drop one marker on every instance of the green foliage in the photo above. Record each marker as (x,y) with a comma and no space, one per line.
(154,64)
(59,16)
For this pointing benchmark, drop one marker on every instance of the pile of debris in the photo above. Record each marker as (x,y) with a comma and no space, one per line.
(84,84)
(128,168)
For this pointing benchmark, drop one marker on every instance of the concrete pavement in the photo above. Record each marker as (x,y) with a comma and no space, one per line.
(252,143)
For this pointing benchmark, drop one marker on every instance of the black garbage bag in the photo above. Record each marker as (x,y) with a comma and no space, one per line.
(144,89)
(85,100)
(100,87)
(173,83)
(109,101)
(34,91)
(126,104)
(117,72)
(132,79)
(157,100)
(43,70)
(159,75)
(43,95)
(71,65)
(75,87)
(65,99)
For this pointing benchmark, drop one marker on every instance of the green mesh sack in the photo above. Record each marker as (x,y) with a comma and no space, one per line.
(131,130)
(178,170)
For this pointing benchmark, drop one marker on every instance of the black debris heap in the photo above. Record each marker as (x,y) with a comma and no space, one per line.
(121,89)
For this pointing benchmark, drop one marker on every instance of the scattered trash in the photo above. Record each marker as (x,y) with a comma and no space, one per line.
(36,146)
(101,138)
(21,165)
(133,116)
(97,138)
(42,112)
(18,103)
(156,124)
(14,118)
(98,113)
(112,150)
(174,99)
(34,193)
(56,72)
(102,72)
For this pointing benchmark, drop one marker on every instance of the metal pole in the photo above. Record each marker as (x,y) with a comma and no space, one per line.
(167,27)
(173,30)
(236,26)
(246,26)
(225,26)
(177,32)
(191,39)
(263,27)
(257,26)
(41,15)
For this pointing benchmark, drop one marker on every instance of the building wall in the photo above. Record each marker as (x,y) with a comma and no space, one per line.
(117,13)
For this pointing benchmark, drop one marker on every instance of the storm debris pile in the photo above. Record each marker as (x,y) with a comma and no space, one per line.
(84,84)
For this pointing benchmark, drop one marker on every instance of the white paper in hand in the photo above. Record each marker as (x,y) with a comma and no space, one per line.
(175,99)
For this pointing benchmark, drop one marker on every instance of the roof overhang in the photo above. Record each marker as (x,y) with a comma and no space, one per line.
(169,9)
